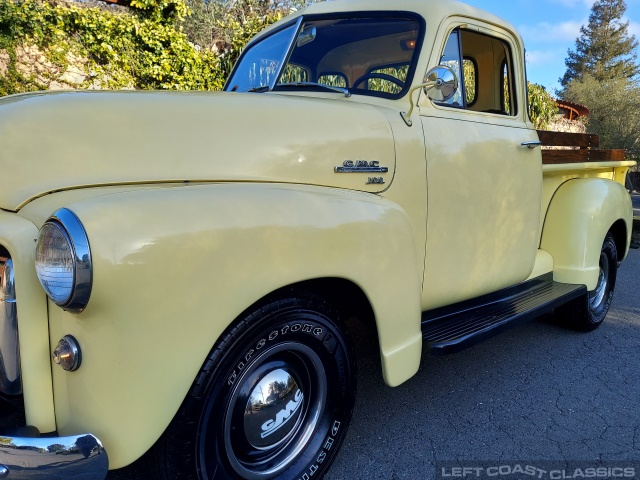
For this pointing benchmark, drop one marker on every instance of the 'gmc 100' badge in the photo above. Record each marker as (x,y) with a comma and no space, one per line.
(361,166)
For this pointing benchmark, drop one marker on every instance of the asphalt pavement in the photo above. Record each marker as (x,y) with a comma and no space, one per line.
(537,393)
(635,199)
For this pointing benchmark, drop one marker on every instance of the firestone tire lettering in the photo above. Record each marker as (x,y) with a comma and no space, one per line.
(215,435)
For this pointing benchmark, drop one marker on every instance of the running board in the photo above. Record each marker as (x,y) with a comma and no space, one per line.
(454,328)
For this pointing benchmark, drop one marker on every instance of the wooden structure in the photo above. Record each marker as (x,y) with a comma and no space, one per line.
(572,111)
(584,148)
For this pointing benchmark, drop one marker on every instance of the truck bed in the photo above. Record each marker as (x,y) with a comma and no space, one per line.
(563,147)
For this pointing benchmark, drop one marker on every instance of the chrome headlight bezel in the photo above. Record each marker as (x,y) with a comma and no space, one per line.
(76,237)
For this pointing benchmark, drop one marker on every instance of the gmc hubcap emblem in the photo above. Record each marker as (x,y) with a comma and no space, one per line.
(273,409)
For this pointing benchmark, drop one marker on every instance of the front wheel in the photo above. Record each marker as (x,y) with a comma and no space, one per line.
(588,312)
(273,400)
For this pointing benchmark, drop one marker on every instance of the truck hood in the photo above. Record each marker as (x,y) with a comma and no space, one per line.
(67,140)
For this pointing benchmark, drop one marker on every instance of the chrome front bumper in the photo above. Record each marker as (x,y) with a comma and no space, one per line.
(81,457)
(9,353)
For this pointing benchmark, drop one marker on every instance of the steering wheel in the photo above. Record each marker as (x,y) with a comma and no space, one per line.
(381,76)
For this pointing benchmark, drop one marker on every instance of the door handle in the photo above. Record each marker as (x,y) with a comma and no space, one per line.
(531,144)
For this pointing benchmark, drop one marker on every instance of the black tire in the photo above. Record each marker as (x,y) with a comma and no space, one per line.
(589,311)
(272,401)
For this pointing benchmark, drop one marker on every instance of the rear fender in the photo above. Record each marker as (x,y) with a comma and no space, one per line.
(580,214)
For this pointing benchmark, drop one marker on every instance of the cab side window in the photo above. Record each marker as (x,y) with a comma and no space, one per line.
(484,66)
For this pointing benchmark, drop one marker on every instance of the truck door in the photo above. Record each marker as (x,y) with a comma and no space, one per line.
(484,187)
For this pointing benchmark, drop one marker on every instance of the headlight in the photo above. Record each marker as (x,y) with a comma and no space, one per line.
(63,261)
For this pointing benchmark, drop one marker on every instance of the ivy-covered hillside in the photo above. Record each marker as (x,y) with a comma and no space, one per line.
(56,44)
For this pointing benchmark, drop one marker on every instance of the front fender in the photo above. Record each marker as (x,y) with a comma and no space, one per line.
(18,236)
(579,216)
(173,267)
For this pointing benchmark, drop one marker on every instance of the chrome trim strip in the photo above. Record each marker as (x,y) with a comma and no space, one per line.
(361,169)
(83,277)
(10,379)
(81,457)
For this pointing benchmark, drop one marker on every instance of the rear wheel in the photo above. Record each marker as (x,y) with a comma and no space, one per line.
(273,400)
(588,312)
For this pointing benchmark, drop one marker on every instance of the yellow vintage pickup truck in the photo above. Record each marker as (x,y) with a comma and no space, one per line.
(180,270)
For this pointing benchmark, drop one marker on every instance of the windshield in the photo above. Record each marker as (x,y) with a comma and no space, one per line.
(366,56)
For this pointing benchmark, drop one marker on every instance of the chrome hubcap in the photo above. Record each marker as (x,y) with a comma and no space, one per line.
(596,297)
(273,409)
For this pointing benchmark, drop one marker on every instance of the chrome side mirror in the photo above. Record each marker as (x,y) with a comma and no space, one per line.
(441,83)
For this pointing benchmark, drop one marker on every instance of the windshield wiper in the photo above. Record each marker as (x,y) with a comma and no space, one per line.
(344,91)
(261,89)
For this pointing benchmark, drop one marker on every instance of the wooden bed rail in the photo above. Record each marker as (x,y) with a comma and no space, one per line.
(585,148)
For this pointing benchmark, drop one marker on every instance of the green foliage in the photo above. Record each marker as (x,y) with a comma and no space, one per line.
(333,80)
(207,25)
(227,26)
(161,10)
(614,106)
(470,81)
(604,49)
(293,74)
(144,50)
(542,106)
(201,25)
(239,23)
(384,85)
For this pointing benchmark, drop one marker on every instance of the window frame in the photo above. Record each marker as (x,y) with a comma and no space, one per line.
(513,95)
(461,85)
(507,40)
(295,22)
(301,20)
